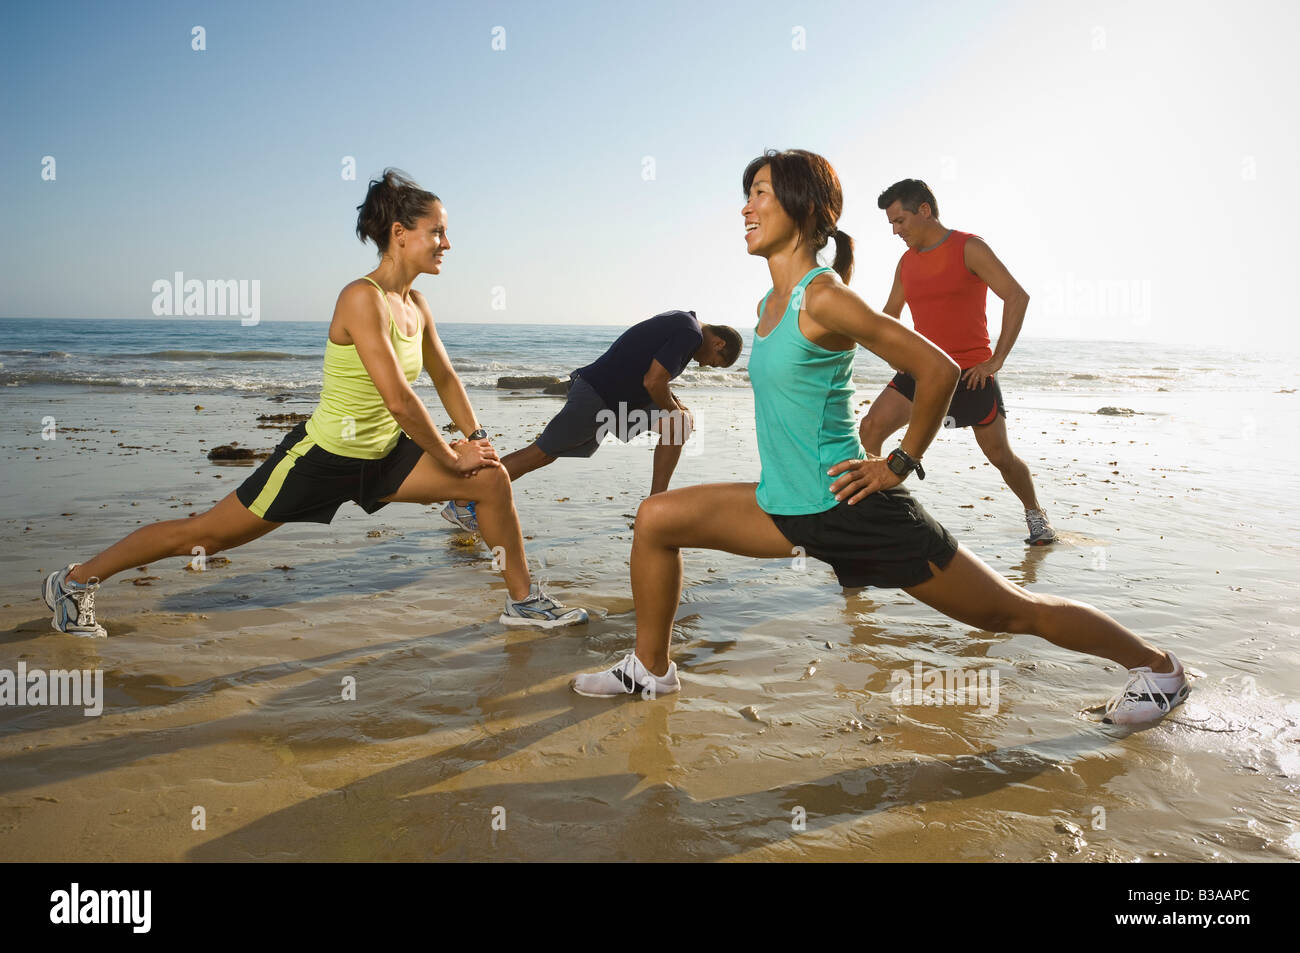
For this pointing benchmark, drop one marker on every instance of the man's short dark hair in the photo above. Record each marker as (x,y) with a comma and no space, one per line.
(732,344)
(911,192)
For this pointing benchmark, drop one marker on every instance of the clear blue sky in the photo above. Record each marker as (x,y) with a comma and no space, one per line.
(1132,163)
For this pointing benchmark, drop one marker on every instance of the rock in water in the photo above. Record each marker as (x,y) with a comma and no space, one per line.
(1117,411)
(280,421)
(230,452)
(508,382)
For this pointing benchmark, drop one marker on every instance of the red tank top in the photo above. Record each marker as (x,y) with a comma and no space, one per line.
(947,301)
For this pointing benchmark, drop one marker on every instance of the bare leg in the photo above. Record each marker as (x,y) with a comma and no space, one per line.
(523,461)
(225,526)
(498,522)
(992,439)
(723,516)
(674,429)
(890,411)
(970,592)
(666,457)
(527,460)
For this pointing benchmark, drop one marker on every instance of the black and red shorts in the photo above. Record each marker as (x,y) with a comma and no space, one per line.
(969,407)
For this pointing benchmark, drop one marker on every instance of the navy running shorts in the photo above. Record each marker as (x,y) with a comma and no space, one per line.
(576,431)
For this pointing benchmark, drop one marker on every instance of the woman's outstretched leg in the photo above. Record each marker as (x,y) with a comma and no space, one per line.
(970,592)
(227,525)
(70,592)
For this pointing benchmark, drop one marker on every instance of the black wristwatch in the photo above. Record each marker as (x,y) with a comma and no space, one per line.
(902,463)
(479,434)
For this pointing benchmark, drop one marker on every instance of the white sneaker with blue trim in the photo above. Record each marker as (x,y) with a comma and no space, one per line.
(463,516)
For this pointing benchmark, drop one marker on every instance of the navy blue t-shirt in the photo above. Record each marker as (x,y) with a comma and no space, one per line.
(671,338)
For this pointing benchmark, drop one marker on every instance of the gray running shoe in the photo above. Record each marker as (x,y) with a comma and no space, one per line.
(73,604)
(1040,531)
(541,610)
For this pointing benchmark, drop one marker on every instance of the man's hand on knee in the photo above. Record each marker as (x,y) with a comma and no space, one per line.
(675,427)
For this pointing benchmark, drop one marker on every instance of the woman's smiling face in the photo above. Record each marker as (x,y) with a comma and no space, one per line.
(767,225)
(426,243)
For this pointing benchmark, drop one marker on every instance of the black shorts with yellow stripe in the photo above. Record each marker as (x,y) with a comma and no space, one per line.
(302,482)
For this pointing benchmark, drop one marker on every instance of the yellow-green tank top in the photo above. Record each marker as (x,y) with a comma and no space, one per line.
(351,419)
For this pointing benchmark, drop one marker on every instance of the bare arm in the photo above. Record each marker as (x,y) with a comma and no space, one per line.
(656,384)
(894,306)
(833,307)
(445,379)
(982,263)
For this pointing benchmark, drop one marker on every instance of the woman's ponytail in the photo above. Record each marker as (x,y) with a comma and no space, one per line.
(843,263)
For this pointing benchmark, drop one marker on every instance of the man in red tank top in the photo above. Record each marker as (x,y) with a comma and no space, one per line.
(943,278)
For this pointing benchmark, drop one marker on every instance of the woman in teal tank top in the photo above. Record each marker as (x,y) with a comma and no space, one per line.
(370,440)
(816,494)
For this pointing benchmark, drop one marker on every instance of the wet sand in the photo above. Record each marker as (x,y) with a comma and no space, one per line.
(464,742)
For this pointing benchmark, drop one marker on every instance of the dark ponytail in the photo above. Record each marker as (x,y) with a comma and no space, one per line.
(809,190)
(843,262)
(393,198)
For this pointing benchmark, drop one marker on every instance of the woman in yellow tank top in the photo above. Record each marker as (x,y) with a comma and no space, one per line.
(370,440)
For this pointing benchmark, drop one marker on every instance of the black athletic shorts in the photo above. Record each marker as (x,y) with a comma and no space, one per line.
(304,483)
(886,540)
(969,408)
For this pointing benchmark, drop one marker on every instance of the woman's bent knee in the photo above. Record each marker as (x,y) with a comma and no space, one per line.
(655,517)
(492,483)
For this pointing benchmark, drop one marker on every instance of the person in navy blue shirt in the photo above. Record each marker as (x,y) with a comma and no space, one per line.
(625,392)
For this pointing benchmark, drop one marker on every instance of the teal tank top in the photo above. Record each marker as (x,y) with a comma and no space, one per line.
(803,408)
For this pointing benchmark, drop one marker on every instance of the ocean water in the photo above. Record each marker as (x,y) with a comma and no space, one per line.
(222,356)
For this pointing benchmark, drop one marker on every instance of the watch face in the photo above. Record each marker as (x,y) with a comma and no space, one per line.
(897,464)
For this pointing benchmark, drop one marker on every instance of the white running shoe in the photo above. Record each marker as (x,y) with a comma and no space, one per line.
(1040,531)
(1148,696)
(73,604)
(541,610)
(626,678)
(466,518)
